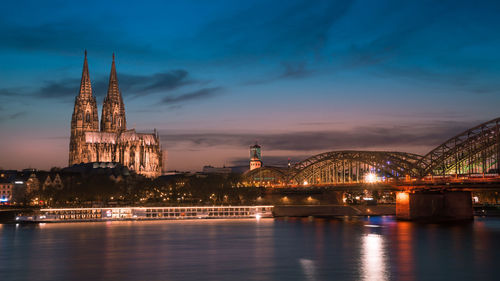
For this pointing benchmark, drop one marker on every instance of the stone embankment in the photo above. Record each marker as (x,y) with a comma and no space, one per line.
(333,210)
(8,215)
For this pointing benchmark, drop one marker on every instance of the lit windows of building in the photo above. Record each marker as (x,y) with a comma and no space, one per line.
(6,189)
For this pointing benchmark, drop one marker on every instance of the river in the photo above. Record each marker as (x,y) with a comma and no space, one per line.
(376,248)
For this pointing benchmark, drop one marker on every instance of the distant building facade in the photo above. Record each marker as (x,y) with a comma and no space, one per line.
(255,157)
(32,183)
(12,187)
(52,182)
(6,190)
(112,142)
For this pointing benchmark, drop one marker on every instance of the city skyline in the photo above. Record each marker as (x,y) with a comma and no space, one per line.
(301,78)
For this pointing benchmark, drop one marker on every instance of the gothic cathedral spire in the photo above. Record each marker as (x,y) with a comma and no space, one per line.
(84,117)
(85,85)
(113,110)
(140,153)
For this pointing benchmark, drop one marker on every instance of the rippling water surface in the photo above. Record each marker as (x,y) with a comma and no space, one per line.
(377,248)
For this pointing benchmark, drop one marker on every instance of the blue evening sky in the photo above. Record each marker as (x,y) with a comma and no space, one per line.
(301,77)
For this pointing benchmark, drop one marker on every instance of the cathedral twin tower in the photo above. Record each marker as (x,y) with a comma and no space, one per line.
(113,142)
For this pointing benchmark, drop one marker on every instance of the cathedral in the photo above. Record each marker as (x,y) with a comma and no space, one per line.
(111,142)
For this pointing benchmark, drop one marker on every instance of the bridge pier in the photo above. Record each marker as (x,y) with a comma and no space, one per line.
(435,206)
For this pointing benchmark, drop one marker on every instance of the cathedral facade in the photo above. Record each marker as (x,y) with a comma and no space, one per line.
(111,142)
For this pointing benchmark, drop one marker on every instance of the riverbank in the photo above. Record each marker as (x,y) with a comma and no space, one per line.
(8,215)
(333,210)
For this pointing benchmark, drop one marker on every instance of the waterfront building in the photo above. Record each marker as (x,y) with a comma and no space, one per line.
(52,182)
(13,186)
(8,174)
(255,157)
(32,183)
(6,190)
(112,142)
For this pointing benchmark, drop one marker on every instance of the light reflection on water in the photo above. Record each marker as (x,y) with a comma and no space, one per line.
(376,248)
(373,258)
(308,269)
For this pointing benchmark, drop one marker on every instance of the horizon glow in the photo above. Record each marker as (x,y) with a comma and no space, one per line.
(299,77)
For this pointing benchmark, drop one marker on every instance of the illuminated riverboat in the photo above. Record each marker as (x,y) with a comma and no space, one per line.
(147,213)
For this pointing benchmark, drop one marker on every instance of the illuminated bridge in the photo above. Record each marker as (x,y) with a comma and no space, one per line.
(470,157)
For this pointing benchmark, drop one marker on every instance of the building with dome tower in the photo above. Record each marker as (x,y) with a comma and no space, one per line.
(255,157)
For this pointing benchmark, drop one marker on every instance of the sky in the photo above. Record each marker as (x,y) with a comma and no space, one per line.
(214,77)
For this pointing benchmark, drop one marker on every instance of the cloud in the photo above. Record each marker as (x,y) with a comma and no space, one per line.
(134,86)
(8,93)
(297,70)
(67,36)
(17,115)
(12,116)
(469,81)
(288,71)
(138,85)
(380,137)
(131,86)
(196,95)
(411,42)
(66,89)
(299,28)
(14,97)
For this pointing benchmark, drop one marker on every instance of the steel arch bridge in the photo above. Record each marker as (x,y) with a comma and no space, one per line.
(353,166)
(267,175)
(474,152)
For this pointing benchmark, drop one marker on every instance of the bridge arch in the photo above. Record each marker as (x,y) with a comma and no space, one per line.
(266,175)
(352,166)
(474,151)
